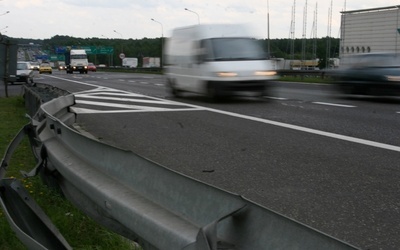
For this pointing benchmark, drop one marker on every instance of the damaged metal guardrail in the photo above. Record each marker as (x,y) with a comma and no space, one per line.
(139,199)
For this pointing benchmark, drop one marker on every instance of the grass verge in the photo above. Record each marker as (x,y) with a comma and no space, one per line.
(79,230)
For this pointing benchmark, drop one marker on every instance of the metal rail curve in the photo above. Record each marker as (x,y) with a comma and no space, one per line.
(144,201)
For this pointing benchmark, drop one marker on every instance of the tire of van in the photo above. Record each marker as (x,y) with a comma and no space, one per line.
(212,92)
(173,90)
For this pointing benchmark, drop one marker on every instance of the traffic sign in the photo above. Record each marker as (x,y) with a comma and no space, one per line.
(122,56)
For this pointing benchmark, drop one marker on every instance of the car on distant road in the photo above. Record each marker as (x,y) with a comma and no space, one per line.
(34,65)
(61,66)
(375,74)
(45,68)
(24,73)
(91,67)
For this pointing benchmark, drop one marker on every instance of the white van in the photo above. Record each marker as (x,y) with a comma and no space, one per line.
(216,60)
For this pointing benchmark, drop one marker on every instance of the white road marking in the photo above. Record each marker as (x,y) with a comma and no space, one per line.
(335,104)
(126,106)
(102,97)
(275,98)
(96,111)
(270,122)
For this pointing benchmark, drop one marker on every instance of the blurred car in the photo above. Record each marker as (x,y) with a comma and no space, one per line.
(45,68)
(368,74)
(24,73)
(34,65)
(61,66)
(91,67)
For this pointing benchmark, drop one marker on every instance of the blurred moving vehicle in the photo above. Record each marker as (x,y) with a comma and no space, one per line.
(216,60)
(45,68)
(368,74)
(24,73)
(91,67)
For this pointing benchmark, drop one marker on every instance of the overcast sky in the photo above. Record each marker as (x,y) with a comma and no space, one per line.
(41,19)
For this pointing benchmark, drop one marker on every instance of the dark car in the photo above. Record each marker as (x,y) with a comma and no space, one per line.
(24,73)
(368,74)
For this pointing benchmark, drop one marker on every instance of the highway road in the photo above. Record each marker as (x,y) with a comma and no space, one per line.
(324,160)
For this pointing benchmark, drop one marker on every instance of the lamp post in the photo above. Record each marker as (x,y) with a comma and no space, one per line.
(121,55)
(198,18)
(162,40)
(122,47)
(5,13)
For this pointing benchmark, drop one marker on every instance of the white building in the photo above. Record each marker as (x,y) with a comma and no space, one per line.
(370,30)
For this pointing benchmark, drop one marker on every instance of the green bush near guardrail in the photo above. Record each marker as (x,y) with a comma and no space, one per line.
(79,230)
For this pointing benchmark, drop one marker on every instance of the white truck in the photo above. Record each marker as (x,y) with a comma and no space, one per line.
(130,62)
(216,60)
(151,62)
(76,60)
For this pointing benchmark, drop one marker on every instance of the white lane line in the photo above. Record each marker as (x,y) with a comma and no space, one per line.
(279,124)
(96,111)
(300,128)
(117,105)
(275,98)
(91,96)
(335,104)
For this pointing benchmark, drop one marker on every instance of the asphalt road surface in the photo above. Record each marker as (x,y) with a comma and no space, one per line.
(303,151)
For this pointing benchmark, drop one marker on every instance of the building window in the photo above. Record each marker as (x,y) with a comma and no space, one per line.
(368,49)
(352,49)
(363,49)
(347,49)
(358,49)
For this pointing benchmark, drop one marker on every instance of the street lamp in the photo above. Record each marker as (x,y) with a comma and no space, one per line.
(122,55)
(122,47)
(198,18)
(162,43)
(5,13)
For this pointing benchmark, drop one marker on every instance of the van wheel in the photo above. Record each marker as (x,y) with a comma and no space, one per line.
(212,92)
(172,88)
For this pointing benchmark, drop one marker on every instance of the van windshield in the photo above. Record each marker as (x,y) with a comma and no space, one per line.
(232,49)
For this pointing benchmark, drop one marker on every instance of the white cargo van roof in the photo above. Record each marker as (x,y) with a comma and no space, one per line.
(204,31)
